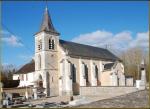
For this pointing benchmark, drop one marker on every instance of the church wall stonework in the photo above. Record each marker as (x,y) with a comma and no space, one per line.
(47,64)
(76,86)
(65,83)
(87,62)
(91,75)
(95,82)
(105,78)
(119,67)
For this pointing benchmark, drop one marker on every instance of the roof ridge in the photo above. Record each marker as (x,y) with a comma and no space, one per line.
(83,44)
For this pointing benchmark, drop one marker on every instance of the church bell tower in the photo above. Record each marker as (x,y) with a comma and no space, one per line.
(46,56)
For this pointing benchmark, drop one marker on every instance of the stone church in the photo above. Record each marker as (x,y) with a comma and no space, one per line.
(62,67)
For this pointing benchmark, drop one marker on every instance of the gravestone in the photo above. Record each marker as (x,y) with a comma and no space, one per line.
(138,84)
(143,76)
(129,81)
(122,80)
(35,92)
(114,79)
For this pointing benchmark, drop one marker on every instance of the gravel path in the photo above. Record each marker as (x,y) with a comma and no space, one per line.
(133,100)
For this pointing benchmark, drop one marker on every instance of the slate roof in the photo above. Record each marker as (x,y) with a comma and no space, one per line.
(29,67)
(47,24)
(108,66)
(80,50)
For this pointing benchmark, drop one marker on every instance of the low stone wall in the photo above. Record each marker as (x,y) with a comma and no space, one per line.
(20,90)
(106,92)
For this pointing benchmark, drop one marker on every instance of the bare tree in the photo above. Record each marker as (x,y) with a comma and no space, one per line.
(132,59)
(7,71)
(146,58)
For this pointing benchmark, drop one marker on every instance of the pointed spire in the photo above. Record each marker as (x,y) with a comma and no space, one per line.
(47,23)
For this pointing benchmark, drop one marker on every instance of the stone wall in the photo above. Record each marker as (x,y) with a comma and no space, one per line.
(106,92)
(20,90)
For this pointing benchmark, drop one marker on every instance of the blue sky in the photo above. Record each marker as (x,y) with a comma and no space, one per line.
(123,23)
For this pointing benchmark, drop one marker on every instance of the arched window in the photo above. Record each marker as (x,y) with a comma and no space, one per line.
(86,74)
(39,62)
(73,72)
(51,44)
(96,72)
(40,77)
(39,44)
(40,81)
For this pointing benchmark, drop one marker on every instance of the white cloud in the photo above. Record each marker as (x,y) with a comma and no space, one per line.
(93,38)
(119,41)
(12,40)
(141,40)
